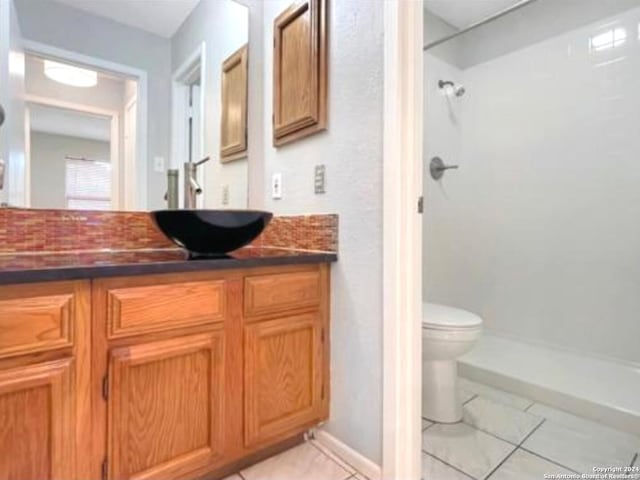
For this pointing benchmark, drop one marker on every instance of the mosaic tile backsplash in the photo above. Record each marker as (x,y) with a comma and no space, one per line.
(26,231)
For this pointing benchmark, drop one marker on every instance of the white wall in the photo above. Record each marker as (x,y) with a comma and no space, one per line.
(48,167)
(351,149)
(224,26)
(56,24)
(12,136)
(538,231)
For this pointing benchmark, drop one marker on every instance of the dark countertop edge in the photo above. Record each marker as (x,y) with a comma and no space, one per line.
(152,268)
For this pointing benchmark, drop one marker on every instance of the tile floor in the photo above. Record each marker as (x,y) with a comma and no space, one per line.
(502,437)
(309,461)
(507,437)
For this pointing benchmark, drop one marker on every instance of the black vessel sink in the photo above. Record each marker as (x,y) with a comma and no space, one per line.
(211,233)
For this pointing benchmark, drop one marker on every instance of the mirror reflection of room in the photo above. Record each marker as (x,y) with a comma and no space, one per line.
(107,98)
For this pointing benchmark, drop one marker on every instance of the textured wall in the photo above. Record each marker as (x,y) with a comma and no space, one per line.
(351,149)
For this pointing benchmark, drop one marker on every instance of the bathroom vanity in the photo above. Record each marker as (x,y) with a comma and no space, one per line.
(161,369)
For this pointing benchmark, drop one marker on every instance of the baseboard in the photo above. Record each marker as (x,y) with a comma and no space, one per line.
(358,461)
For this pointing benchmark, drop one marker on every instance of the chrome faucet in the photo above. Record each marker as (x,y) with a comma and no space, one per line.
(191,186)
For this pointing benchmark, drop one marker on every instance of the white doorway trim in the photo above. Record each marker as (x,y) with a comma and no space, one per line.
(183,76)
(402,235)
(27,156)
(142,95)
(114,139)
(129,157)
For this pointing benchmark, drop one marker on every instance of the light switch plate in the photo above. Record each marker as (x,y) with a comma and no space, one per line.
(158,164)
(319,179)
(276,186)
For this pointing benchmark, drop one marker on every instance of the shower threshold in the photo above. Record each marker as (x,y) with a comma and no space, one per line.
(601,390)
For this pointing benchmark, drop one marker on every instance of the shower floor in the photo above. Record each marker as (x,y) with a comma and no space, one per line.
(604,391)
(506,437)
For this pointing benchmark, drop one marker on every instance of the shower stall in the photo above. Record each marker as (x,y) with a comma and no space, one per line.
(537,230)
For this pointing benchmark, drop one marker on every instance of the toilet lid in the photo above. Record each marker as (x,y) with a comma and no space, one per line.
(442,316)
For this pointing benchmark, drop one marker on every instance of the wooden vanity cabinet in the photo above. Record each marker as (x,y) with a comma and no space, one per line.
(191,380)
(160,376)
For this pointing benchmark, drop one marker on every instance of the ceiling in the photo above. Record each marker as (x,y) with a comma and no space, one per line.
(160,17)
(59,121)
(462,13)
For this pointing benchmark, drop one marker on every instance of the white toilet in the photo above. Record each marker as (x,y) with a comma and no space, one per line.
(447,333)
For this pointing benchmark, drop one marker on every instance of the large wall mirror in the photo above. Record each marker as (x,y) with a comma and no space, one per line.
(102,98)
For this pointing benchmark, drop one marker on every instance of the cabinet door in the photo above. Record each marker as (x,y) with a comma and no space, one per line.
(233,121)
(283,376)
(299,71)
(36,422)
(165,407)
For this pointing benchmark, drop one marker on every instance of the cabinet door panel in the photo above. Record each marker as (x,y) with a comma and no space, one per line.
(283,376)
(36,422)
(143,308)
(300,73)
(165,407)
(39,317)
(233,122)
(266,294)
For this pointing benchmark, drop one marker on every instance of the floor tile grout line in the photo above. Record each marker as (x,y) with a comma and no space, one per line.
(475,395)
(520,446)
(504,460)
(487,477)
(525,449)
(527,409)
(448,464)
(532,432)
(634,460)
(241,476)
(490,434)
(355,470)
(429,426)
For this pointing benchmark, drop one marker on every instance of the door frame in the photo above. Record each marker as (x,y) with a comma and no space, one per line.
(128,176)
(114,140)
(140,76)
(402,236)
(180,81)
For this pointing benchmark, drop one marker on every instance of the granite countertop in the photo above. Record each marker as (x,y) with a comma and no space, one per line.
(42,267)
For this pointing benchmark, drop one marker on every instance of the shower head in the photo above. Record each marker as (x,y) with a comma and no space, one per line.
(450,88)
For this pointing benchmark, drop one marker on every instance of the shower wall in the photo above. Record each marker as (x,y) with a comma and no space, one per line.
(539,229)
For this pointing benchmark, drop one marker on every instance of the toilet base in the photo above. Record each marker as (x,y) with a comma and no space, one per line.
(440,400)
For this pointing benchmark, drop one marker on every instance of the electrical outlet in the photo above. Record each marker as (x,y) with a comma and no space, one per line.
(276,186)
(158,164)
(225,194)
(319,179)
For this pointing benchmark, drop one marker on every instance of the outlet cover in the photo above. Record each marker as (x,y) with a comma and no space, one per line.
(276,186)
(158,164)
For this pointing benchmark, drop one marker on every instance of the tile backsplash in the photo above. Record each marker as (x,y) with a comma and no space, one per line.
(303,232)
(26,230)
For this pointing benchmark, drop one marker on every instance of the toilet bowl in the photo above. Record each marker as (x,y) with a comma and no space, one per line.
(447,333)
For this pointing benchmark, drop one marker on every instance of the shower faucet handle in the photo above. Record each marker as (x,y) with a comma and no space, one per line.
(437,168)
